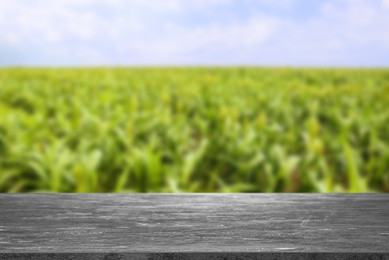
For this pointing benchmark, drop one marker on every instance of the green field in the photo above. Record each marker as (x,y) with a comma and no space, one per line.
(194,130)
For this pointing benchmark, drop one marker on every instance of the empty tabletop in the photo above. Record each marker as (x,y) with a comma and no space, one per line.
(194,226)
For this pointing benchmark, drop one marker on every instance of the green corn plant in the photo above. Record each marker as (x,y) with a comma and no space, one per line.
(194,130)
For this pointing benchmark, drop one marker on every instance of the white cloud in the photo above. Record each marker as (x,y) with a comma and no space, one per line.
(360,22)
(343,32)
(178,39)
(53,23)
(56,21)
(108,30)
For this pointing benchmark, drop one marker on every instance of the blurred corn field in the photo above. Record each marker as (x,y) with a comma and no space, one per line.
(194,130)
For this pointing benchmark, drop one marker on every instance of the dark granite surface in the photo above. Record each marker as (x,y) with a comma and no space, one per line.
(194,226)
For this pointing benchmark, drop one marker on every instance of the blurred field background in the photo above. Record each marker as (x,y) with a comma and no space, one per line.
(194,130)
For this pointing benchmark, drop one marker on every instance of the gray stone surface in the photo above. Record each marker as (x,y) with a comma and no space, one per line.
(196,256)
(194,226)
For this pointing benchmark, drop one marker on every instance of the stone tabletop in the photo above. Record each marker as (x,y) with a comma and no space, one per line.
(194,226)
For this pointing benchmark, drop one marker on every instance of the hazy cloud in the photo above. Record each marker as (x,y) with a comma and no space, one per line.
(264,32)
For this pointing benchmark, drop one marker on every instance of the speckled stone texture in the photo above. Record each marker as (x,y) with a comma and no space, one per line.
(194,226)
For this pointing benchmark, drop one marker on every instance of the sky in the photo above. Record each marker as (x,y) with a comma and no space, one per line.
(194,32)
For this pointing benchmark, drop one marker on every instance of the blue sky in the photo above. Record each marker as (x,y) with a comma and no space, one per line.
(194,32)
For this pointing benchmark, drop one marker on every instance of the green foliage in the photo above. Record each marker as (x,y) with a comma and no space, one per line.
(194,130)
